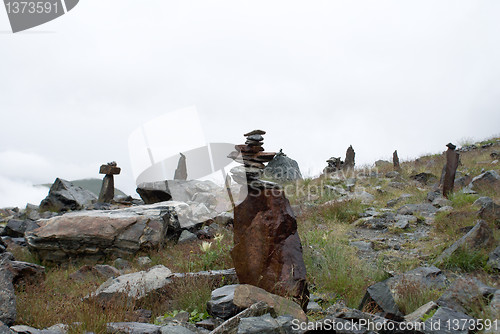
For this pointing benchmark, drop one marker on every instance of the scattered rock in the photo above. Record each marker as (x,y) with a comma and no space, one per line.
(246,295)
(221,303)
(441,202)
(362,246)
(478,237)
(364,197)
(16,228)
(494,259)
(64,196)
(482,201)
(170,329)
(418,314)
(465,294)
(132,328)
(231,325)
(99,270)
(437,323)
(379,296)
(489,180)
(144,261)
(24,272)
(265,324)
(392,174)
(133,286)
(424,178)
(187,236)
(121,264)
(491,212)
(424,209)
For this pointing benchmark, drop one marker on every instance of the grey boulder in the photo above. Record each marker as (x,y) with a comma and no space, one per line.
(64,196)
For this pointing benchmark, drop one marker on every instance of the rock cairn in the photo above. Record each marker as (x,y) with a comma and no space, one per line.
(334,164)
(267,251)
(108,183)
(253,157)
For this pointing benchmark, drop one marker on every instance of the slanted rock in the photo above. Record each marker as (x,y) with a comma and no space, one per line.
(490,211)
(265,324)
(16,228)
(154,192)
(437,323)
(489,180)
(99,270)
(480,236)
(24,272)
(132,328)
(282,168)
(181,171)
(424,209)
(379,296)
(99,233)
(64,196)
(465,294)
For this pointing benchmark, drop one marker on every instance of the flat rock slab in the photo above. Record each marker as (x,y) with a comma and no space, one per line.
(100,233)
(133,286)
(132,328)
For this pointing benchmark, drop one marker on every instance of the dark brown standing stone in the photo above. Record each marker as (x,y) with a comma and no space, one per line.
(181,171)
(450,169)
(395,161)
(349,158)
(108,184)
(267,251)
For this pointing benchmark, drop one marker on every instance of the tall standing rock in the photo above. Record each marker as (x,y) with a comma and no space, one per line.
(181,171)
(349,158)
(450,169)
(267,250)
(395,161)
(108,183)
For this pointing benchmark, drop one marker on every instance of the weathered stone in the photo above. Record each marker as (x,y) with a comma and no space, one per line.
(265,324)
(107,189)
(24,272)
(480,236)
(132,328)
(154,192)
(490,212)
(64,196)
(272,257)
(221,303)
(283,168)
(246,295)
(187,236)
(109,169)
(418,314)
(175,329)
(134,286)
(181,171)
(419,278)
(465,294)
(99,270)
(380,296)
(230,326)
(494,259)
(424,209)
(96,234)
(392,174)
(437,324)
(481,201)
(121,264)
(489,180)
(4,329)
(16,228)
(441,202)
(144,261)
(424,178)
(7,298)
(362,245)
(395,161)
(349,158)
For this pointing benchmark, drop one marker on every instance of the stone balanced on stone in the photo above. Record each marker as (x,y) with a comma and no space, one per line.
(108,184)
(267,251)
(452,158)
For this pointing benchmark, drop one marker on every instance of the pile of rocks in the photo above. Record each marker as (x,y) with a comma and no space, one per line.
(334,164)
(252,157)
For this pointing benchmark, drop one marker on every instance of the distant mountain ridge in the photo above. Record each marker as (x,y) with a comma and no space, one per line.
(92,185)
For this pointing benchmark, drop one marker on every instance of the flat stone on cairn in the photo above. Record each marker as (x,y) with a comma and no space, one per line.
(267,250)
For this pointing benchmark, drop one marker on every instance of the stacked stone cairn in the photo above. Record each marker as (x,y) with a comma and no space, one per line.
(267,252)
(253,157)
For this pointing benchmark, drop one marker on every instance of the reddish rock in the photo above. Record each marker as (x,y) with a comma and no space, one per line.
(267,251)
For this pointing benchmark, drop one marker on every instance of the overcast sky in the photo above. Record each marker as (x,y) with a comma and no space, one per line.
(318,76)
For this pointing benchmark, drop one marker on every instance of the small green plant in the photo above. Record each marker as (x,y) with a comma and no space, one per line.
(460,199)
(410,295)
(210,255)
(429,315)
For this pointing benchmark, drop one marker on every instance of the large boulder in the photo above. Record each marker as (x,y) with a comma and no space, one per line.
(380,297)
(154,192)
(100,233)
(283,168)
(64,196)
(7,298)
(267,251)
